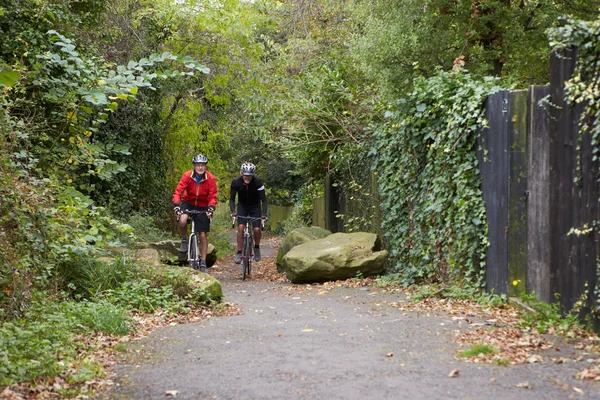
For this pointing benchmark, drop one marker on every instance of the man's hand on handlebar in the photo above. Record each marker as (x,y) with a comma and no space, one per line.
(210,211)
(177,209)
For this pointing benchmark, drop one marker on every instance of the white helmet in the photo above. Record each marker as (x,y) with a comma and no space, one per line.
(247,168)
(200,158)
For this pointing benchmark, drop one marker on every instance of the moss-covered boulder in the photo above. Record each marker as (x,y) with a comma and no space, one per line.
(335,257)
(296,237)
(186,283)
(149,256)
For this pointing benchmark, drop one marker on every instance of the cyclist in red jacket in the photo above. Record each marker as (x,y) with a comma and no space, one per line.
(196,190)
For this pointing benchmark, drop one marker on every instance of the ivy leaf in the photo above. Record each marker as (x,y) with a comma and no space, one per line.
(9,78)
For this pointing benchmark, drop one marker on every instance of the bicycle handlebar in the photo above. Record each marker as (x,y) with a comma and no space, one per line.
(193,212)
(249,220)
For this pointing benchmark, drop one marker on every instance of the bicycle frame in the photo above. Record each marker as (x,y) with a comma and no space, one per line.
(192,252)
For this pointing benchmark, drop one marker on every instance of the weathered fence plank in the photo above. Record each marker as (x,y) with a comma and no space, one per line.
(572,204)
(335,205)
(277,215)
(517,192)
(538,200)
(318,214)
(493,164)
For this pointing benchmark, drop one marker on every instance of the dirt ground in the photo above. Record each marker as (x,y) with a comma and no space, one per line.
(330,342)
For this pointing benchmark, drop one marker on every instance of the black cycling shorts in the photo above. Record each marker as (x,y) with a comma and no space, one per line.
(202,223)
(249,211)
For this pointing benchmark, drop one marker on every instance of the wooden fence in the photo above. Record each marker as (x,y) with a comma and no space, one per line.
(530,157)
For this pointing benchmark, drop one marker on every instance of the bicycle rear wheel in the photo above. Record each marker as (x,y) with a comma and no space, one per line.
(193,252)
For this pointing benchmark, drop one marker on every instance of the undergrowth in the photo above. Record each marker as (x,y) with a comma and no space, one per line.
(45,341)
(550,317)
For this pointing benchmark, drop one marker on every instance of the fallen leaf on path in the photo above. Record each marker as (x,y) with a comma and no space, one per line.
(592,373)
(389,355)
(173,393)
(533,359)
(524,385)
(453,373)
(307,330)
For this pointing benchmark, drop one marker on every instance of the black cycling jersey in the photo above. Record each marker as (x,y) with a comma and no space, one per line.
(251,194)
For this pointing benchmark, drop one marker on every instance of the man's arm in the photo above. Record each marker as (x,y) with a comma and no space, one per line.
(262,195)
(179,190)
(212,194)
(232,194)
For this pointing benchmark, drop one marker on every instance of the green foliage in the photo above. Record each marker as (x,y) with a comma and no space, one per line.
(465,292)
(101,316)
(433,211)
(172,290)
(546,316)
(477,349)
(142,190)
(148,229)
(142,295)
(403,40)
(46,229)
(304,200)
(295,220)
(89,277)
(42,343)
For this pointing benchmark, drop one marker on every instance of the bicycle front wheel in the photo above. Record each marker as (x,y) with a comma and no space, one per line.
(193,252)
(245,258)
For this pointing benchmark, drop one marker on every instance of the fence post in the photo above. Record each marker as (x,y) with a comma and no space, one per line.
(538,210)
(572,205)
(318,214)
(334,205)
(493,163)
(517,193)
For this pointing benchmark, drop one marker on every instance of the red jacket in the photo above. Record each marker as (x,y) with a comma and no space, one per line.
(201,194)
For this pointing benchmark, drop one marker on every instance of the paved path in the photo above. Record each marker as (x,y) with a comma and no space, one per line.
(305,342)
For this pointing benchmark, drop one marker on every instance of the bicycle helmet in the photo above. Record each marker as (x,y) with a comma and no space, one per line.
(200,158)
(247,168)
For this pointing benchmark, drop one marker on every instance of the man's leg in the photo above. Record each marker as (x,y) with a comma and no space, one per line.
(257,236)
(239,239)
(183,232)
(203,251)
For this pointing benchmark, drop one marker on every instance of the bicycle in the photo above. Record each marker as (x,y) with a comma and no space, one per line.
(192,252)
(248,243)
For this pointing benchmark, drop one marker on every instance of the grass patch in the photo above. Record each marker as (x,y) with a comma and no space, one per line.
(548,317)
(476,350)
(452,292)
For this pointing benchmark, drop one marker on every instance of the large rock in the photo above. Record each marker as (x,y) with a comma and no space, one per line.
(185,282)
(296,237)
(149,256)
(335,257)
(210,285)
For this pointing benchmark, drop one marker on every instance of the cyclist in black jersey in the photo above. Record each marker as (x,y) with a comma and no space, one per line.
(251,202)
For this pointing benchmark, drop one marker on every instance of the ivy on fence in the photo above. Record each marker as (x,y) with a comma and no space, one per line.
(583,87)
(425,157)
